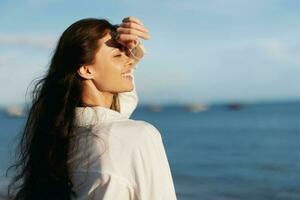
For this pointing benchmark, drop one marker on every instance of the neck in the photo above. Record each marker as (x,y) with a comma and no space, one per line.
(91,96)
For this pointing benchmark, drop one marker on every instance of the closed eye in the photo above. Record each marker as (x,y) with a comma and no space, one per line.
(118,55)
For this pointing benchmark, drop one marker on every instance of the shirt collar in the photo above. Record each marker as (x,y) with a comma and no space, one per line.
(85,116)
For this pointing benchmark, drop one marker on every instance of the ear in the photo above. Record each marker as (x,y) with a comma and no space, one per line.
(85,72)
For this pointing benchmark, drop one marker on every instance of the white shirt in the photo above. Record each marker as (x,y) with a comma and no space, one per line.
(127,159)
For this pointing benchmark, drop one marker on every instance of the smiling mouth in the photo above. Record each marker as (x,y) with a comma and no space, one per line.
(127,74)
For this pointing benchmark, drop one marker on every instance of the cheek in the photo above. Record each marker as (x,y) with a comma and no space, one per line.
(109,77)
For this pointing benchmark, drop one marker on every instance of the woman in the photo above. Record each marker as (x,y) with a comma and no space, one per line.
(78,141)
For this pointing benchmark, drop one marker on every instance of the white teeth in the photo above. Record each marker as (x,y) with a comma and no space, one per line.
(126,75)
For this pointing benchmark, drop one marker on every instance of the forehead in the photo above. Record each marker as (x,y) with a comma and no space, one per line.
(108,41)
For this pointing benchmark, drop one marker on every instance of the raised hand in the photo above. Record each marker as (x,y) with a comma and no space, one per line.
(130,31)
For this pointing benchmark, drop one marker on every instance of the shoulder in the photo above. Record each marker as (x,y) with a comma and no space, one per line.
(122,135)
(126,131)
(137,129)
(151,131)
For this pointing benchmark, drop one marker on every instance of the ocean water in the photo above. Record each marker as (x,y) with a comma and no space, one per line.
(220,154)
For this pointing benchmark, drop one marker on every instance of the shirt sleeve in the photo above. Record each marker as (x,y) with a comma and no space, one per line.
(153,175)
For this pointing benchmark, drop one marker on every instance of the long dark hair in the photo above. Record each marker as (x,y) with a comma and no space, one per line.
(41,170)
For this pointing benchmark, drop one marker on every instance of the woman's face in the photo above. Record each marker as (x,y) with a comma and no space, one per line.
(111,66)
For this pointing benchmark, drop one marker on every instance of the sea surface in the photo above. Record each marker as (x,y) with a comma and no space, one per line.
(248,153)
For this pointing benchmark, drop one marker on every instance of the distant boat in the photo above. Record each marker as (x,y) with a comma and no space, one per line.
(234,106)
(15,111)
(196,108)
(155,108)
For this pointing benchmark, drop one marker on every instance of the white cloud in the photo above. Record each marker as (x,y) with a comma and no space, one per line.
(280,52)
(34,41)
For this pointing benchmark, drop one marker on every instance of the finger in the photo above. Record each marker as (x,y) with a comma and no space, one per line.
(135,26)
(134,19)
(127,37)
(130,45)
(134,32)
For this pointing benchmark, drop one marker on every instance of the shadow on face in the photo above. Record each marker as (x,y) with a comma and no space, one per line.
(112,42)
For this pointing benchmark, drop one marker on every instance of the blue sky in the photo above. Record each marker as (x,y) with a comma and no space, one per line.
(199,51)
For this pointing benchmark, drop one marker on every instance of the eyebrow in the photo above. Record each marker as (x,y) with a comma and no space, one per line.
(113,45)
(117,47)
(114,49)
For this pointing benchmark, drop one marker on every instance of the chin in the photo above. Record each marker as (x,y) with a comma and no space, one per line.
(130,87)
(127,89)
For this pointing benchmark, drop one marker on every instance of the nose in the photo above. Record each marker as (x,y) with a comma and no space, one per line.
(129,63)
